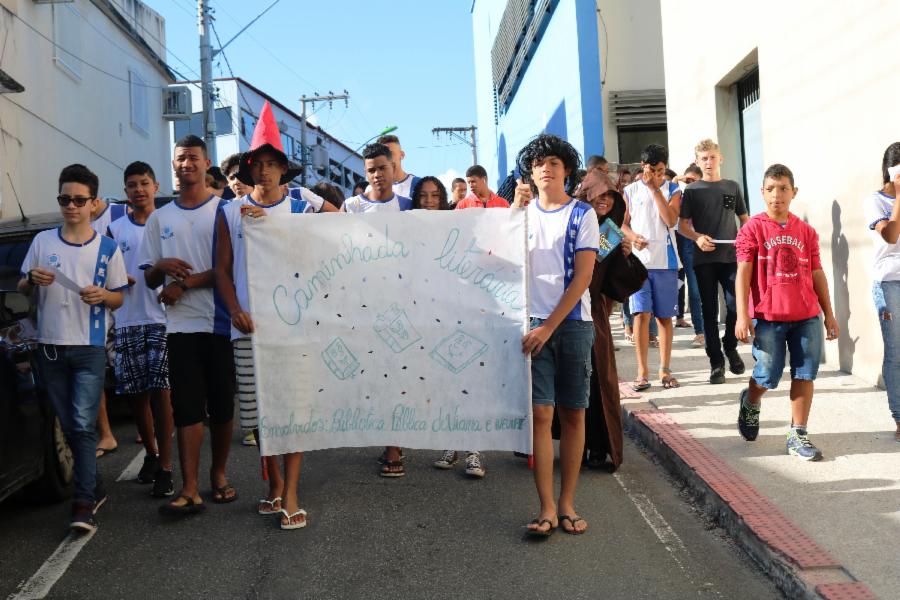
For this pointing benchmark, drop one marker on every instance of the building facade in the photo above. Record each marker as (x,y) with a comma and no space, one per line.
(237,110)
(809,85)
(93,74)
(589,71)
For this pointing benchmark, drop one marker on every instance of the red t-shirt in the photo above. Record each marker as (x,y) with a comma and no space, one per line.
(783,257)
(473,201)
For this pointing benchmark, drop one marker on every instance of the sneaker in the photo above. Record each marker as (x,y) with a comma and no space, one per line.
(717,375)
(447,460)
(249,439)
(162,484)
(474,468)
(699,341)
(149,469)
(748,418)
(83,517)
(798,444)
(735,364)
(100,495)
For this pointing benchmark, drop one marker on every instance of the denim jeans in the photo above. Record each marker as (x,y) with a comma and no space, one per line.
(887,305)
(73,379)
(628,318)
(709,277)
(686,253)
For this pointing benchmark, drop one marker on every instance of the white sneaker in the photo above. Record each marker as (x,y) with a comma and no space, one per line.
(249,439)
(447,460)
(473,465)
(699,341)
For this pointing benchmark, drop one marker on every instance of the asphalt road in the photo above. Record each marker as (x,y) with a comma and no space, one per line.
(431,534)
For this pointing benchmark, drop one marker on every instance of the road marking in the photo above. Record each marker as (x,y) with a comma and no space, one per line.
(656,521)
(131,471)
(39,585)
(46,577)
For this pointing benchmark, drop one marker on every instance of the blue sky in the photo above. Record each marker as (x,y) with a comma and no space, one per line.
(407,63)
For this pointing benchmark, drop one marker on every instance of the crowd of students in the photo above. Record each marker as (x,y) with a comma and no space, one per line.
(170,283)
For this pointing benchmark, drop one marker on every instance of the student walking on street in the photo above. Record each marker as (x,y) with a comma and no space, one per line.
(708,212)
(781,286)
(882,214)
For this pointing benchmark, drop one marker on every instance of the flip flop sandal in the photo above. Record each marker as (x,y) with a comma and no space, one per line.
(540,533)
(668,382)
(382,459)
(393,468)
(290,520)
(101,452)
(220,494)
(572,522)
(190,507)
(640,384)
(270,508)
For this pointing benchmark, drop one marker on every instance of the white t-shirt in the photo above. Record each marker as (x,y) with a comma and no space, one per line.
(553,239)
(112,212)
(877,208)
(307,197)
(141,306)
(63,319)
(187,233)
(232,214)
(645,221)
(404,187)
(361,204)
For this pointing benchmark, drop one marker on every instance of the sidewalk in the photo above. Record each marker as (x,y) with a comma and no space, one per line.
(847,505)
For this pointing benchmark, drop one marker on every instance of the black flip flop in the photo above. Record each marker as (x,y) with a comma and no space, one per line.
(220,494)
(101,452)
(190,507)
(540,533)
(573,531)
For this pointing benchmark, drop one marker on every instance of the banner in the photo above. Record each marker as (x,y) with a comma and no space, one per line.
(390,329)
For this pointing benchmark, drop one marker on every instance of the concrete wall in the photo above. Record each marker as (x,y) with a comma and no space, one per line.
(559,92)
(631,54)
(829,90)
(73,115)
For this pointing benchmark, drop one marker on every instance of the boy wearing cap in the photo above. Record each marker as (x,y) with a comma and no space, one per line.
(266,168)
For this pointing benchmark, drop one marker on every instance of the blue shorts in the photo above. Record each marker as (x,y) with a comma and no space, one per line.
(658,295)
(804,340)
(561,372)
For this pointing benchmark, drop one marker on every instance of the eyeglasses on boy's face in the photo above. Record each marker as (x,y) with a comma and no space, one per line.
(78,201)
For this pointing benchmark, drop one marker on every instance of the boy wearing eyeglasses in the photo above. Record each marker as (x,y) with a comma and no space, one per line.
(79,275)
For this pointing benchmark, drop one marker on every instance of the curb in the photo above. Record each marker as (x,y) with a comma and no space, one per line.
(799,567)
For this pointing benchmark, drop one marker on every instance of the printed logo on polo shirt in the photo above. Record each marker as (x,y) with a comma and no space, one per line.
(54,261)
(124,246)
(167,233)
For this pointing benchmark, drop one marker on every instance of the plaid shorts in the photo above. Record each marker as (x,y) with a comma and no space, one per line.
(142,360)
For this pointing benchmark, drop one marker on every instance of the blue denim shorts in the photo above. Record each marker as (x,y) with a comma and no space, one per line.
(561,372)
(804,340)
(658,295)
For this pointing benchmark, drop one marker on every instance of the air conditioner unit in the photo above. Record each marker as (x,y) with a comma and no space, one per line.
(177,103)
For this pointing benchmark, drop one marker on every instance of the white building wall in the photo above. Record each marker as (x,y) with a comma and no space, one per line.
(78,114)
(828,93)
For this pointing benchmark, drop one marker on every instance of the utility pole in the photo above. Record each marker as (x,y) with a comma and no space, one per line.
(457,132)
(330,97)
(206,84)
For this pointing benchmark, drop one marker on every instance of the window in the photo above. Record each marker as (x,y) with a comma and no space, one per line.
(248,124)
(137,93)
(67,39)
(194,126)
(634,139)
(287,142)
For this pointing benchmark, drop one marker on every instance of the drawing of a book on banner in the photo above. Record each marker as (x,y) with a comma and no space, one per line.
(610,237)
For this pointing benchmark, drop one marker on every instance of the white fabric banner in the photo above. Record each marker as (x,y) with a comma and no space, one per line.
(400,329)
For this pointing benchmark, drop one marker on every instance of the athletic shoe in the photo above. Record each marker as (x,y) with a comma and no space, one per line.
(162,484)
(149,469)
(735,364)
(447,460)
(249,439)
(474,467)
(717,375)
(82,517)
(748,418)
(798,444)
(699,341)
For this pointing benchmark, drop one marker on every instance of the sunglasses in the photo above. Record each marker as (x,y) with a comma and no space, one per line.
(78,201)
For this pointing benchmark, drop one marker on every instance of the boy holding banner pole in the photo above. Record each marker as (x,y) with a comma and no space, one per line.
(563,241)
